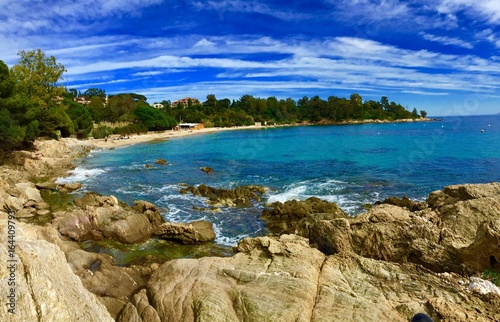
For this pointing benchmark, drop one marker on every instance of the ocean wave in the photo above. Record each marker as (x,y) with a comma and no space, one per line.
(80,174)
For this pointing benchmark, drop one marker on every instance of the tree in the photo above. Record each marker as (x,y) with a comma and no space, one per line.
(6,82)
(93,92)
(423,114)
(36,76)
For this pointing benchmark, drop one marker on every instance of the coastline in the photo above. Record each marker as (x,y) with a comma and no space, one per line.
(57,264)
(115,141)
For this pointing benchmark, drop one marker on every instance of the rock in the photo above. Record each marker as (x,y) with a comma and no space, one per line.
(26,213)
(14,204)
(148,166)
(28,192)
(207,170)
(220,197)
(296,217)
(101,217)
(48,185)
(161,161)
(139,309)
(480,286)
(196,232)
(45,287)
(284,279)
(68,187)
(404,202)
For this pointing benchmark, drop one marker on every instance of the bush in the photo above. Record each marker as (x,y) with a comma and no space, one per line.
(101,132)
(131,129)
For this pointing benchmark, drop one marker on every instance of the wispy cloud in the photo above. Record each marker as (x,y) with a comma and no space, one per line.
(448,40)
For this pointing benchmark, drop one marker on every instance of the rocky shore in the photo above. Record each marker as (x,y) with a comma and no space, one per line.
(387,264)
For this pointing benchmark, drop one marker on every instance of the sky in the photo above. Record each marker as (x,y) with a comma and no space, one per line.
(442,56)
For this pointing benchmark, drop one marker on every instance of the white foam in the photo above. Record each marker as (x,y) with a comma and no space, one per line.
(80,174)
(296,193)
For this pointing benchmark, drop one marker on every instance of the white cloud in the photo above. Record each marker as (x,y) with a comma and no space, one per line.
(485,9)
(448,40)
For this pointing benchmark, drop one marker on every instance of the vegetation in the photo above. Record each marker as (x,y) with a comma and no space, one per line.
(492,275)
(33,104)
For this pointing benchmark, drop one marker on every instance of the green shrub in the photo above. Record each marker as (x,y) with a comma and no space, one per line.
(101,132)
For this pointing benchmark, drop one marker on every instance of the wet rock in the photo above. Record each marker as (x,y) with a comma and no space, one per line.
(197,232)
(220,197)
(207,170)
(148,166)
(161,161)
(296,217)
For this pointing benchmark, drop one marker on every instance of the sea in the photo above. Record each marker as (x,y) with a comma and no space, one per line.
(352,165)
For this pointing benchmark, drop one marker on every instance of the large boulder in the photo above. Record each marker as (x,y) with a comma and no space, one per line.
(284,279)
(98,217)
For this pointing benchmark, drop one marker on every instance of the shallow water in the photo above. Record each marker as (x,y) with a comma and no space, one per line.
(350,164)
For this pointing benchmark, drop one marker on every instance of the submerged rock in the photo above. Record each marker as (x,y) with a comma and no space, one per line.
(220,197)
(161,161)
(207,170)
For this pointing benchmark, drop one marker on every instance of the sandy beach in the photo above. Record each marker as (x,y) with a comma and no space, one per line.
(116,141)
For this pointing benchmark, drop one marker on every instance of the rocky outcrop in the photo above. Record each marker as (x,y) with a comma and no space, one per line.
(458,230)
(45,288)
(284,279)
(296,217)
(220,197)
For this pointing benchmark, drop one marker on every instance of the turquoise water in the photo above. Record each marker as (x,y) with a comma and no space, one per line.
(350,164)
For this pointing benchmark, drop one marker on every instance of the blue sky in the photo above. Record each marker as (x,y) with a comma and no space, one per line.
(439,55)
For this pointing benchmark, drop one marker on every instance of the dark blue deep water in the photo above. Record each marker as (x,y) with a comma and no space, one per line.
(350,164)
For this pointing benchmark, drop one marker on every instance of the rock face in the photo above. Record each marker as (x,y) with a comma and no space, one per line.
(284,279)
(45,287)
(219,197)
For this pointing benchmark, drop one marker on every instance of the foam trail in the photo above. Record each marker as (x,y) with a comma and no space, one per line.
(80,174)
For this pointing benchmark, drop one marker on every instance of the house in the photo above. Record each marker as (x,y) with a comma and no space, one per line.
(158,105)
(184,102)
(81,100)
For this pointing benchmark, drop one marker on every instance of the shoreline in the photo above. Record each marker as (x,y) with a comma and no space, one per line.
(115,141)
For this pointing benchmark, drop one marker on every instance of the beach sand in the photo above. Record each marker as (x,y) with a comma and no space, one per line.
(116,141)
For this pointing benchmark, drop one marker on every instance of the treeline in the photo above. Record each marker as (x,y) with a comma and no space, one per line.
(32,105)
(248,109)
